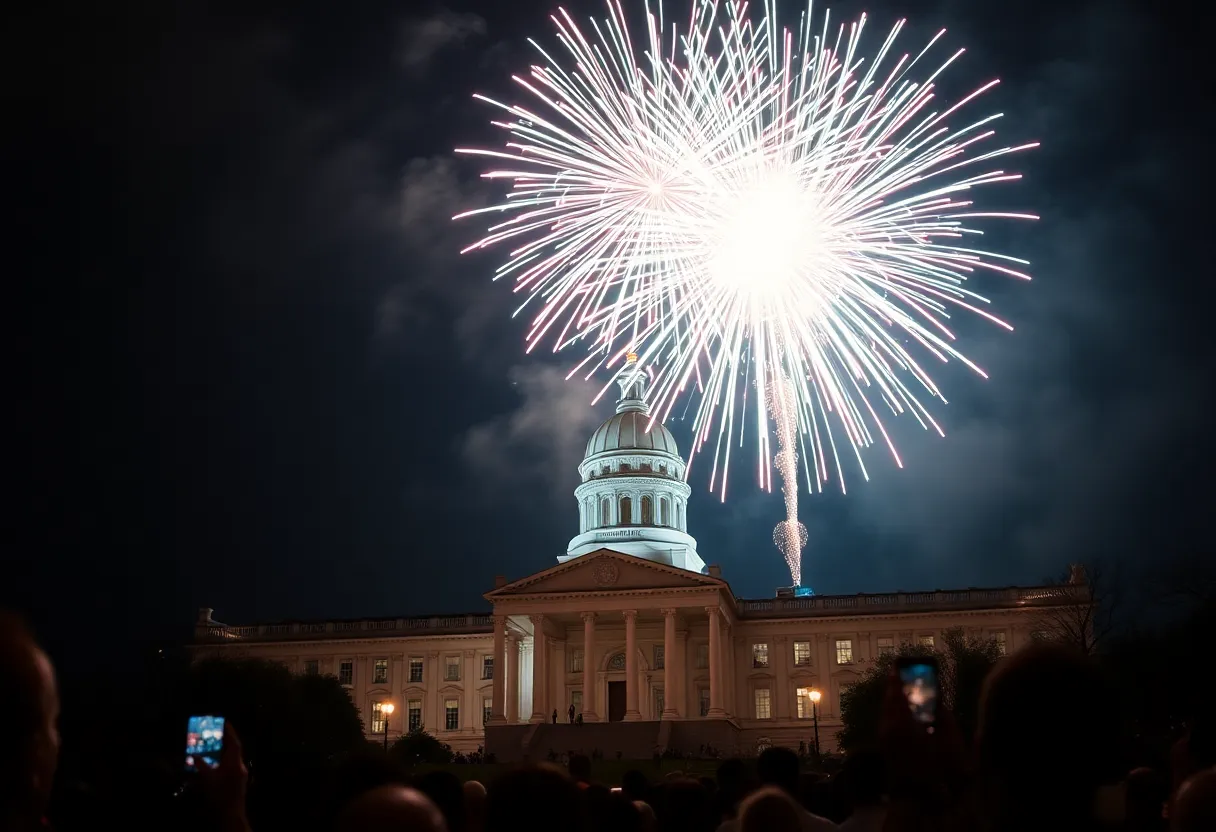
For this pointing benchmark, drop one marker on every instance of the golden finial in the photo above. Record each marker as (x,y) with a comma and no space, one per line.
(631,358)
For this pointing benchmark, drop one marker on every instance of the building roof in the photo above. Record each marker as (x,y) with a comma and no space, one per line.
(627,431)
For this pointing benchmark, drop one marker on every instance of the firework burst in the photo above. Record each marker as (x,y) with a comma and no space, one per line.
(741,205)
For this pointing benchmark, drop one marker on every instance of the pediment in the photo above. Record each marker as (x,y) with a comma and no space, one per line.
(605,571)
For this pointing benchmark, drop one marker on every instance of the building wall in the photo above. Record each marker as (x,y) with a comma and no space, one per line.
(780,676)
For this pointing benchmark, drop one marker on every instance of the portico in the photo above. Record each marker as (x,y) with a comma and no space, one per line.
(610,634)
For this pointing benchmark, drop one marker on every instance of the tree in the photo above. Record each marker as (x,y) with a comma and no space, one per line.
(418,747)
(1083,606)
(963,662)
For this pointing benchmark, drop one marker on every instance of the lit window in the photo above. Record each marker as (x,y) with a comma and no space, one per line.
(451,714)
(759,655)
(844,651)
(311,667)
(926,641)
(802,654)
(605,512)
(647,511)
(415,670)
(886,645)
(415,714)
(346,672)
(806,705)
(764,703)
(377,718)
(703,701)
(702,656)
(626,511)
(576,660)
(999,638)
(659,657)
(380,672)
(487,708)
(664,512)
(451,669)
(487,667)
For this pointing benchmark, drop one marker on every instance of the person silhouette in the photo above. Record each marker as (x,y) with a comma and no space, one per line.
(555,716)
(571,714)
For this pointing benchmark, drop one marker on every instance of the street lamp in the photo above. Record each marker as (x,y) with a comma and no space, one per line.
(815,697)
(386,710)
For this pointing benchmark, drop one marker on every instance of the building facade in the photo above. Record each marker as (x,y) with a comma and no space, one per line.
(629,627)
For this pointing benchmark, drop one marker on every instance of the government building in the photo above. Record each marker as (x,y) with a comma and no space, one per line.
(629,627)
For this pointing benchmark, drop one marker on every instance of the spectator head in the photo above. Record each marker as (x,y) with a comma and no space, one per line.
(390,809)
(445,791)
(1194,808)
(474,806)
(537,798)
(778,767)
(684,805)
(635,785)
(29,701)
(580,768)
(863,779)
(1047,734)
(1145,796)
(649,823)
(770,810)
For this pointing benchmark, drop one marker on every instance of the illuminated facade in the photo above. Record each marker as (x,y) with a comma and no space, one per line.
(629,628)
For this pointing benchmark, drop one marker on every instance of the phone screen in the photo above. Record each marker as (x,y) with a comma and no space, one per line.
(919,680)
(204,741)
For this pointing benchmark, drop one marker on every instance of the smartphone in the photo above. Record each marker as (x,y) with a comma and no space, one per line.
(919,680)
(204,742)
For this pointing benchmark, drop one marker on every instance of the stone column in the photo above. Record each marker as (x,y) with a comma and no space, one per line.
(498,706)
(431,718)
(685,673)
(781,672)
(670,658)
(631,666)
(589,667)
(715,664)
(512,679)
(539,662)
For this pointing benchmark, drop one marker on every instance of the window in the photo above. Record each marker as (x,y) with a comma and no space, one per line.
(487,667)
(760,655)
(806,705)
(802,654)
(576,699)
(311,667)
(626,468)
(702,656)
(414,712)
(617,662)
(926,641)
(626,510)
(764,703)
(346,672)
(451,714)
(605,512)
(703,700)
(451,669)
(487,708)
(378,722)
(380,672)
(844,651)
(576,660)
(645,468)
(664,511)
(663,468)
(415,670)
(659,656)
(647,511)
(999,638)
(886,645)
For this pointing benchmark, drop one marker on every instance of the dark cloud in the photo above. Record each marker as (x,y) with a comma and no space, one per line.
(423,39)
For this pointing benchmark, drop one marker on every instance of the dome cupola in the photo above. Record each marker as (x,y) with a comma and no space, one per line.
(633,497)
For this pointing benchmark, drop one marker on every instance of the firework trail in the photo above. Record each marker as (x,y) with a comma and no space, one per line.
(741,204)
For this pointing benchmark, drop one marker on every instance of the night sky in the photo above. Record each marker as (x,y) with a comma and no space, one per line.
(254,373)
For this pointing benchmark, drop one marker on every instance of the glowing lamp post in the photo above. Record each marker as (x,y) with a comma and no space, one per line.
(386,710)
(815,697)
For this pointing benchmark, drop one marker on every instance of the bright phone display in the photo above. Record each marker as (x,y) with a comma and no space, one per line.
(204,741)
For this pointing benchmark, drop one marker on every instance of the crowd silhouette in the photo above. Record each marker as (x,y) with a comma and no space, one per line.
(1045,757)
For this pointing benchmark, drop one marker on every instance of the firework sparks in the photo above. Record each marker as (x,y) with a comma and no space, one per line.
(737,202)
